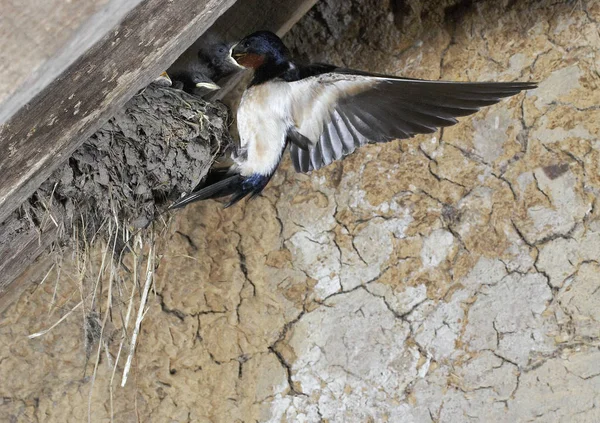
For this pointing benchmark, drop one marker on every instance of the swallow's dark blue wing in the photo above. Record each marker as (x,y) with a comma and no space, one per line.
(340,111)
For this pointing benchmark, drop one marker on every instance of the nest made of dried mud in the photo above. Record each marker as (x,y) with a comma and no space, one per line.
(156,148)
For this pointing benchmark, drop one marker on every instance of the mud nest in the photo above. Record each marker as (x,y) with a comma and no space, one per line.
(157,147)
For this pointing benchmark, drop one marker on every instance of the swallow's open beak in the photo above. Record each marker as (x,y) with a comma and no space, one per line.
(237,52)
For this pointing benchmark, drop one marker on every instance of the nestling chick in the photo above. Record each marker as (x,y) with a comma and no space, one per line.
(197,70)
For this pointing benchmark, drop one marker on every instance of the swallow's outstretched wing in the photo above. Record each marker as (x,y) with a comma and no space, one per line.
(334,113)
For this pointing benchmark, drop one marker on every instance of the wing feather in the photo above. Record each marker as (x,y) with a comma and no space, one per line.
(300,158)
(326,146)
(335,139)
(345,134)
(296,159)
(335,113)
(359,138)
(316,161)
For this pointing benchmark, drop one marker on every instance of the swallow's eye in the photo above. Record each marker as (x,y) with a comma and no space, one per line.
(221,49)
(246,44)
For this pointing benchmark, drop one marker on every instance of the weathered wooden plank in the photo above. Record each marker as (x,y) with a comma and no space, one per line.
(40,39)
(18,253)
(47,131)
(247,16)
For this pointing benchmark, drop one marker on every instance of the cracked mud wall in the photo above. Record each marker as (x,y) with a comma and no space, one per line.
(451,277)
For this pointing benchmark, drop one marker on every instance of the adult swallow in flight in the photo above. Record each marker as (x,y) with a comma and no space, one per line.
(325,113)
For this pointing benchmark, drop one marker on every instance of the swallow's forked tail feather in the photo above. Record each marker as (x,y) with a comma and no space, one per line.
(235,185)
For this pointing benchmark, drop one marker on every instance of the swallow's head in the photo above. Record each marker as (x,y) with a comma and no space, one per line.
(258,49)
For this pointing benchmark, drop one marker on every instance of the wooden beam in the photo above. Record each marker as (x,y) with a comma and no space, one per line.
(28,243)
(247,16)
(40,39)
(46,132)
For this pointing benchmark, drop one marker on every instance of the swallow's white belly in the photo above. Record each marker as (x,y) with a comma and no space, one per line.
(263,119)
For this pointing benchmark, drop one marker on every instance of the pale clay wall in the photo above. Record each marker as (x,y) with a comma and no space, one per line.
(452,277)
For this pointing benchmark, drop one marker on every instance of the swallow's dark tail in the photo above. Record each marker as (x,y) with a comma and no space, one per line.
(221,184)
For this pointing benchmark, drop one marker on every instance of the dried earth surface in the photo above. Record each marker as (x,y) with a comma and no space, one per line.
(447,278)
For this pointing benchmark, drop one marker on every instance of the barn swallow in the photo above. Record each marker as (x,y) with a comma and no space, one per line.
(199,68)
(325,113)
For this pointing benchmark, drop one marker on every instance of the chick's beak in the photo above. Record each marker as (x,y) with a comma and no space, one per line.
(237,51)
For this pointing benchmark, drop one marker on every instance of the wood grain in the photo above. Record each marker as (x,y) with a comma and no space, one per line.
(41,39)
(247,16)
(17,254)
(47,131)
